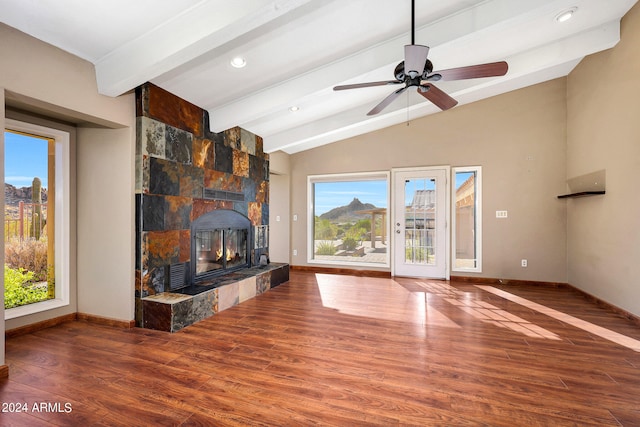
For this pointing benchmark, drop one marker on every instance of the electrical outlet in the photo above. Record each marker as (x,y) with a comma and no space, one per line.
(523,263)
(295,217)
(295,252)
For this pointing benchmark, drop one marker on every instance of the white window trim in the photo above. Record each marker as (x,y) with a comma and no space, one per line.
(478,230)
(357,176)
(62,226)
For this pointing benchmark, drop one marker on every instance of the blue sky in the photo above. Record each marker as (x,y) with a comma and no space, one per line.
(25,157)
(329,195)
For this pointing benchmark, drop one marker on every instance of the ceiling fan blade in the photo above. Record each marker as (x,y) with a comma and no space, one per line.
(388,100)
(370,84)
(439,98)
(491,69)
(415,56)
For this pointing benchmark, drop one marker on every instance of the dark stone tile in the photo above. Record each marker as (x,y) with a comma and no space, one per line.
(181,314)
(179,144)
(153,212)
(177,213)
(263,282)
(191,180)
(265,213)
(163,177)
(138,225)
(249,189)
(256,168)
(156,315)
(204,305)
(154,281)
(163,248)
(280,275)
(223,158)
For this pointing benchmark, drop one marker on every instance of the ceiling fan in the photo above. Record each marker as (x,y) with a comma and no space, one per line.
(417,71)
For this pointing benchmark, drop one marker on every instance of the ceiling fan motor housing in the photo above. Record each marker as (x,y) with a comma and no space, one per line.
(400,75)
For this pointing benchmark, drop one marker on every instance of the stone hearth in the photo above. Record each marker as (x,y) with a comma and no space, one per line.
(172,311)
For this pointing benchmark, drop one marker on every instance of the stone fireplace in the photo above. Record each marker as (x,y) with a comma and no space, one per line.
(201,197)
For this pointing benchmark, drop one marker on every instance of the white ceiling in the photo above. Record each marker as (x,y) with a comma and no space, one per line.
(297,50)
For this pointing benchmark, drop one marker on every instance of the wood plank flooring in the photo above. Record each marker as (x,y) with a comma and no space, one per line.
(341,350)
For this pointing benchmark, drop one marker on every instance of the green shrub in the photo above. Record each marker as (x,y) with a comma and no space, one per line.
(349,244)
(19,289)
(326,248)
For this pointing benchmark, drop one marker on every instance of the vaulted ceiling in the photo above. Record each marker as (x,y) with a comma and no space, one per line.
(296,51)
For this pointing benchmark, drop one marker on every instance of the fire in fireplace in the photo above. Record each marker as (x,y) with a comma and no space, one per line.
(220,243)
(220,249)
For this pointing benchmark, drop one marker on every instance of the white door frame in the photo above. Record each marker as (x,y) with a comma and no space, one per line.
(447,213)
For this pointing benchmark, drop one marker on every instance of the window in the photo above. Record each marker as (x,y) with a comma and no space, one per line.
(347,219)
(467,219)
(44,226)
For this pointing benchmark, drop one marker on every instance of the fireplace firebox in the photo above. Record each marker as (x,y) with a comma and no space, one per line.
(220,243)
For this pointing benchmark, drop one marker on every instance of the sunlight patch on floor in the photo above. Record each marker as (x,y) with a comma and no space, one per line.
(563,317)
(487,312)
(342,293)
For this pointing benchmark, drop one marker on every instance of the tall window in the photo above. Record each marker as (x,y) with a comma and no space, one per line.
(348,220)
(36,218)
(467,219)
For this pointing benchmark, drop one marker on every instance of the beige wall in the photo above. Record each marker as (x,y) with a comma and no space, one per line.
(44,80)
(518,139)
(105,208)
(279,207)
(604,133)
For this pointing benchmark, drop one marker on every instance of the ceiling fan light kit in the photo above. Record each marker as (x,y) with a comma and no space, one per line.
(417,71)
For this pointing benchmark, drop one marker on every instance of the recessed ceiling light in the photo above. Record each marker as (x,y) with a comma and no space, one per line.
(294,109)
(566,14)
(238,62)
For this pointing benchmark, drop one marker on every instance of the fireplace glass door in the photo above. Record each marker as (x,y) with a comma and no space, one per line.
(220,249)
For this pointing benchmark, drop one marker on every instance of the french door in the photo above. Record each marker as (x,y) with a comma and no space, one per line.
(420,211)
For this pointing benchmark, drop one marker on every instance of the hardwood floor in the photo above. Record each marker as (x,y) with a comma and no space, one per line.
(342,350)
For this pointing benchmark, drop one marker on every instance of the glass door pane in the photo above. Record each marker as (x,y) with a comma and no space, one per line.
(419,221)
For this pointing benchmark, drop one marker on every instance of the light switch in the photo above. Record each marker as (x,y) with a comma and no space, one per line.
(501,214)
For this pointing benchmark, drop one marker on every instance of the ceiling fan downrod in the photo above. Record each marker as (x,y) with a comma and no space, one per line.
(413,21)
